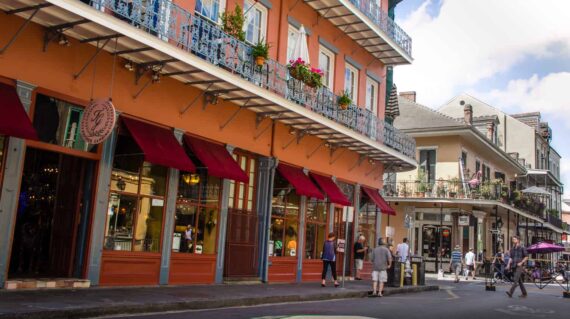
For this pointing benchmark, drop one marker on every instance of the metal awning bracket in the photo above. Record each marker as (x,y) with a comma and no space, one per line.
(333,150)
(183,110)
(24,25)
(361,158)
(321,144)
(99,49)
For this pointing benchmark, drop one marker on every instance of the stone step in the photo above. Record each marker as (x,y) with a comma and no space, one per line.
(47,283)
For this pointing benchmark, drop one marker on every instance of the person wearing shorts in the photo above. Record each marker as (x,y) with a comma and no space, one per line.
(359,252)
(470,263)
(381,260)
(455,262)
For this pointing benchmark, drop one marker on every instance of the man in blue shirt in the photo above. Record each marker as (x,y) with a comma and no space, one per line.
(455,262)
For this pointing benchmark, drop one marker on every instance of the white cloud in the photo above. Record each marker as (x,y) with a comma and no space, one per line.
(471,40)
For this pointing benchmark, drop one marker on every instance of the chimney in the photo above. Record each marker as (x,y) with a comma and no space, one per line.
(409,95)
(468,114)
(490,130)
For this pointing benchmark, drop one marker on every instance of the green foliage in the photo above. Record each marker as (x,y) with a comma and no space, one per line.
(344,98)
(261,49)
(232,23)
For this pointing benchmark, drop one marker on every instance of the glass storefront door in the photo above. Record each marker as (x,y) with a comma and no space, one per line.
(52,216)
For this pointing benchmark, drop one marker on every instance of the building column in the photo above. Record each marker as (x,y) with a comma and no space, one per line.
(100,209)
(168,229)
(14,164)
(378,231)
(356,204)
(331,219)
(301,237)
(266,175)
(222,231)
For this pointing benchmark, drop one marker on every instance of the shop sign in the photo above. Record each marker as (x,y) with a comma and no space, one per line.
(564,237)
(463,221)
(446,233)
(409,221)
(348,213)
(340,245)
(98,121)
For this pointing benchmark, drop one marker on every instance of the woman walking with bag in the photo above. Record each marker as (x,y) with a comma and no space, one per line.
(329,259)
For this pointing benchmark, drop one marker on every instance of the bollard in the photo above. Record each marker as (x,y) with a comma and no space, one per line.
(402,275)
(414,274)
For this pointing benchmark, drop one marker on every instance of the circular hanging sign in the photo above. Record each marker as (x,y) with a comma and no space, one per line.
(446,233)
(98,121)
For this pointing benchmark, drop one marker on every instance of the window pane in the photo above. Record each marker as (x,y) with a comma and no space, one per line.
(321,236)
(316,212)
(325,66)
(153,179)
(127,162)
(231,192)
(310,241)
(149,225)
(207,227)
(119,230)
(185,226)
(291,41)
(276,237)
(57,122)
(291,231)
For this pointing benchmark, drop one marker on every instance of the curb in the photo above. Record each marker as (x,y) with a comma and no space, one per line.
(200,304)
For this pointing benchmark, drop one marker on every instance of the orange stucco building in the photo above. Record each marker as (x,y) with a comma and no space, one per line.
(226,201)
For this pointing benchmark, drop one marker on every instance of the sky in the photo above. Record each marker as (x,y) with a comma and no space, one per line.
(511,54)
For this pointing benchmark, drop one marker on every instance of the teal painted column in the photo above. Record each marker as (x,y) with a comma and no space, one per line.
(168,229)
(222,231)
(14,164)
(356,211)
(301,239)
(100,209)
(266,175)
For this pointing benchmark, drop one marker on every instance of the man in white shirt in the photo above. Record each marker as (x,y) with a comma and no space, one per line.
(403,251)
(470,263)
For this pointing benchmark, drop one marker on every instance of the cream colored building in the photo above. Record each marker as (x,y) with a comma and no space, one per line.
(449,203)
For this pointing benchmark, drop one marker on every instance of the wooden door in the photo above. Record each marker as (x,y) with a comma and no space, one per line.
(66,215)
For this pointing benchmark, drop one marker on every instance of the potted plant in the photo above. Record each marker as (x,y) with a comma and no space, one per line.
(453,187)
(260,52)
(486,191)
(314,78)
(232,23)
(344,100)
(421,184)
(298,69)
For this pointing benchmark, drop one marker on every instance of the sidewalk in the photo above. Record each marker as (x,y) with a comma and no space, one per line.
(82,303)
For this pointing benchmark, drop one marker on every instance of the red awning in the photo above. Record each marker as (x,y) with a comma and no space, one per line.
(217,159)
(302,183)
(14,120)
(159,145)
(379,201)
(334,193)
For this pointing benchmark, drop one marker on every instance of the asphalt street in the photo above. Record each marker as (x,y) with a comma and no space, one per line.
(464,300)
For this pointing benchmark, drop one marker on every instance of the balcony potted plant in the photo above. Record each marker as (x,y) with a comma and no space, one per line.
(314,78)
(232,23)
(344,100)
(260,52)
(298,69)
(441,189)
(453,187)
(504,194)
(486,190)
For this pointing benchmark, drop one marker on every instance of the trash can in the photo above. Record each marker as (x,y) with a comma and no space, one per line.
(394,274)
(421,270)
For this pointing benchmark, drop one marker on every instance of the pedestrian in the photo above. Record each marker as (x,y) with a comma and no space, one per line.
(382,260)
(359,252)
(329,259)
(518,258)
(470,264)
(403,251)
(498,263)
(455,262)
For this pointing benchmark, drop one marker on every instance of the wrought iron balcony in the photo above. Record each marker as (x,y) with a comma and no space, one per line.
(208,41)
(453,188)
(371,9)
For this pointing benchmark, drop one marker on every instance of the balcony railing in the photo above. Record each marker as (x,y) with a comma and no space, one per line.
(455,189)
(208,41)
(371,9)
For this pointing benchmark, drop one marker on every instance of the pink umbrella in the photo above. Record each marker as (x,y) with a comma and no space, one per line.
(544,248)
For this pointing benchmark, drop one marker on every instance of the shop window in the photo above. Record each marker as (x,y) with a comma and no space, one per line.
(436,239)
(57,122)
(136,204)
(241,195)
(196,213)
(367,225)
(284,219)
(255,26)
(316,229)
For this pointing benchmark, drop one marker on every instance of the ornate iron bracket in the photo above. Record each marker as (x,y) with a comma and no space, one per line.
(36,9)
(361,158)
